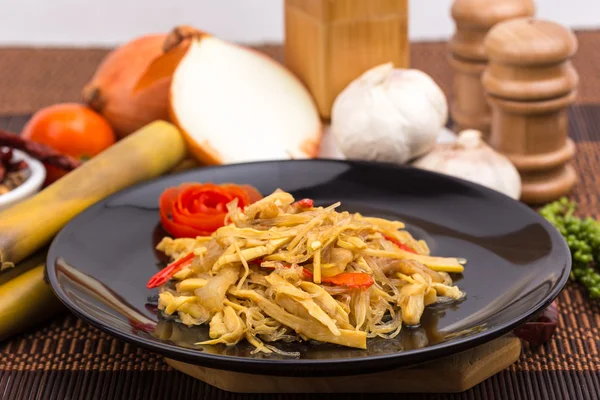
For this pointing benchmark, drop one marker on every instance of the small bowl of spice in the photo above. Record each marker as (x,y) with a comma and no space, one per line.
(21,176)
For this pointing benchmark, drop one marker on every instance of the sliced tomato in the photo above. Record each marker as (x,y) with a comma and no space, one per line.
(195,209)
(166,204)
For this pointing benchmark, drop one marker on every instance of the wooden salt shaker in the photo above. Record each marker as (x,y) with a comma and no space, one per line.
(530,81)
(329,43)
(474,18)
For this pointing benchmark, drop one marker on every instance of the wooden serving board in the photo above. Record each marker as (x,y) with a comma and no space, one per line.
(452,374)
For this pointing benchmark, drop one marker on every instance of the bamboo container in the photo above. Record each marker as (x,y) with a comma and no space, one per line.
(530,82)
(329,43)
(467,58)
(146,154)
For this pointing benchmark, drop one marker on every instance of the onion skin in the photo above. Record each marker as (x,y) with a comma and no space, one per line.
(111,90)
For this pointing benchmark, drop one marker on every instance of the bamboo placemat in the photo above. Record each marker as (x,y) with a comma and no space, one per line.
(31,78)
(68,359)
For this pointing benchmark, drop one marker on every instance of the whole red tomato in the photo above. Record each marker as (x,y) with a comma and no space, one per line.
(71,129)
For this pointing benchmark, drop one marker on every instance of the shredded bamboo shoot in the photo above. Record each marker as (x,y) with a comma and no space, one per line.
(281,272)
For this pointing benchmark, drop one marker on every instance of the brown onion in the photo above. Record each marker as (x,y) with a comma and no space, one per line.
(110,92)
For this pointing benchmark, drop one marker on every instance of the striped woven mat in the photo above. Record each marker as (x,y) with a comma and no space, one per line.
(68,359)
(31,78)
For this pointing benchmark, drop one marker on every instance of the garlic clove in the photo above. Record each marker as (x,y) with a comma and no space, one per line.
(469,139)
(330,149)
(377,76)
(470,158)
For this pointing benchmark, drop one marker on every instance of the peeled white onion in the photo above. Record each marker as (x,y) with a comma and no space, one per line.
(234,104)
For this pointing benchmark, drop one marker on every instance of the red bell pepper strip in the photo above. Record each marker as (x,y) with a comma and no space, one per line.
(305,203)
(348,279)
(166,273)
(351,280)
(307,274)
(397,243)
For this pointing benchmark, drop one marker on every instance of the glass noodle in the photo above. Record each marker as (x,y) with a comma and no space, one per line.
(285,271)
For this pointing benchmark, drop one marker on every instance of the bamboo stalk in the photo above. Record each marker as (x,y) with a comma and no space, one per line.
(30,263)
(146,154)
(26,301)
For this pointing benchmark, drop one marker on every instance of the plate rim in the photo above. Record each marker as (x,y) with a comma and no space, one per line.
(308,367)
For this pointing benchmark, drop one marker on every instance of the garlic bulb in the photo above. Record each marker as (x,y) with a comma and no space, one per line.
(390,115)
(470,158)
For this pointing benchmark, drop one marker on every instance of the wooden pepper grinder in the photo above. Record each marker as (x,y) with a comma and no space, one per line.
(530,81)
(474,18)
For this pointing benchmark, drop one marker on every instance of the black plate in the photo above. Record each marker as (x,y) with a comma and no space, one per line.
(99,263)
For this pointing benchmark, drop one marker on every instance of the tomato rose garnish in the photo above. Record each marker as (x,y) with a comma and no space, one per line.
(199,209)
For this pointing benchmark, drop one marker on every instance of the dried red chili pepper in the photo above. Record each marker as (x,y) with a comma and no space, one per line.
(541,329)
(6,155)
(304,203)
(39,151)
(397,243)
(8,165)
(166,273)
